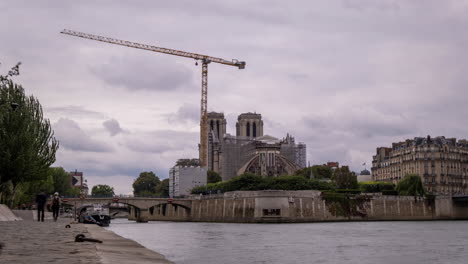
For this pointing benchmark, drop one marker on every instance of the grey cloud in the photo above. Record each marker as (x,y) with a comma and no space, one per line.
(360,124)
(382,5)
(72,137)
(74,111)
(113,127)
(403,62)
(162,141)
(152,72)
(187,113)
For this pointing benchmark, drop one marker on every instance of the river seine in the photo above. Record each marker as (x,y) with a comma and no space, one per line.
(347,242)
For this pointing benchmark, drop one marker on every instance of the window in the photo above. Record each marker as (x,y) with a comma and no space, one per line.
(271,212)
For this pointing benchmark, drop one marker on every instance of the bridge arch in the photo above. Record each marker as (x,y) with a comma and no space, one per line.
(168,209)
(143,209)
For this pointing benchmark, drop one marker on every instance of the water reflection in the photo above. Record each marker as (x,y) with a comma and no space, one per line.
(357,242)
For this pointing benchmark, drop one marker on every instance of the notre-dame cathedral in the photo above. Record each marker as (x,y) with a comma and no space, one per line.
(250,150)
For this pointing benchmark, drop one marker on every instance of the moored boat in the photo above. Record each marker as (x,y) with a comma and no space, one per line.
(95,214)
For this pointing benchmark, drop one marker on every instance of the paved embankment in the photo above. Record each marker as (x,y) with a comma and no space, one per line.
(121,250)
(7,215)
(30,241)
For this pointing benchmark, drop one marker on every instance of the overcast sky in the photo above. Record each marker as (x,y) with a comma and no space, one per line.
(342,76)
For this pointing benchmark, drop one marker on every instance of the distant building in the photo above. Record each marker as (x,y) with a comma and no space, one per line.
(442,163)
(250,150)
(332,165)
(183,178)
(77,180)
(365,175)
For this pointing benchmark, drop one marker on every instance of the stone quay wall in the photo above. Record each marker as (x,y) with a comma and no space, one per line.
(303,206)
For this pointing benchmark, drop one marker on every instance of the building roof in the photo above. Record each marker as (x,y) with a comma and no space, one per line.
(267,139)
(365,172)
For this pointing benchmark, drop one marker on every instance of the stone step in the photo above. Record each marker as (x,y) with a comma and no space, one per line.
(7,215)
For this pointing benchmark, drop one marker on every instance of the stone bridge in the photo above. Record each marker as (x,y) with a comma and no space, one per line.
(283,207)
(141,209)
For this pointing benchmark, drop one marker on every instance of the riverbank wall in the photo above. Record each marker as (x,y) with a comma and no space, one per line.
(303,206)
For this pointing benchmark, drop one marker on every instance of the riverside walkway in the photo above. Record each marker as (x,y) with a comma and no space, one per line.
(29,241)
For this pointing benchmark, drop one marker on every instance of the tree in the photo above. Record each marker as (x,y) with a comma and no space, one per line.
(146,184)
(188,162)
(102,190)
(27,143)
(376,186)
(345,179)
(213,177)
(321,172)
(61,180)
(163,188)
(316,172)
(411,185)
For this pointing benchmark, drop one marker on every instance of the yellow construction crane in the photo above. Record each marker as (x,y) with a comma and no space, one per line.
(205,60)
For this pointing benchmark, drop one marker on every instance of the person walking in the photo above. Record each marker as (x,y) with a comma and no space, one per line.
(55,205)
(41,200)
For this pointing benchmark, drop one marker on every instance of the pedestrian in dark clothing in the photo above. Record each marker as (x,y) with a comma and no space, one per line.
(41,200)
(55,205)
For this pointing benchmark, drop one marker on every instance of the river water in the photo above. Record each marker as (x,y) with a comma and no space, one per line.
(346,242)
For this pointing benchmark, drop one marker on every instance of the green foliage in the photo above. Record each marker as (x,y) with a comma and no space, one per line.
(316,172)
(102,190)
(411,185)
(145,184)
(188,162)
(245,182)
(61,182)
(376,186)
(163,188)
(344,178)
(213,177)
(252,182)
(348,191)
(345,204)
(389,192)
(27,144)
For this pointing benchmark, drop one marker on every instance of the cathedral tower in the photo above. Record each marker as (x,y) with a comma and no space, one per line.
(249,125)
(217,124)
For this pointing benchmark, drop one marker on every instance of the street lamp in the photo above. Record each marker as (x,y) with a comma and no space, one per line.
(13,105)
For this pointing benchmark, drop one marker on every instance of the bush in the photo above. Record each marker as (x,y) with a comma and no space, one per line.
(348,191)
(252,182)
(376,186)
(213,177)
(411,185)
(389,192)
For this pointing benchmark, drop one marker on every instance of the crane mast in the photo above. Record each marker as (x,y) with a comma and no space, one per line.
(204,89)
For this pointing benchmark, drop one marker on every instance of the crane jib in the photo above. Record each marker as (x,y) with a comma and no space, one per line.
(239,64)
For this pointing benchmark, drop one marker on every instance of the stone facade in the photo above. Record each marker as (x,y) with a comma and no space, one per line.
(249,125)
(217,124)
(442,163)
(250,150)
